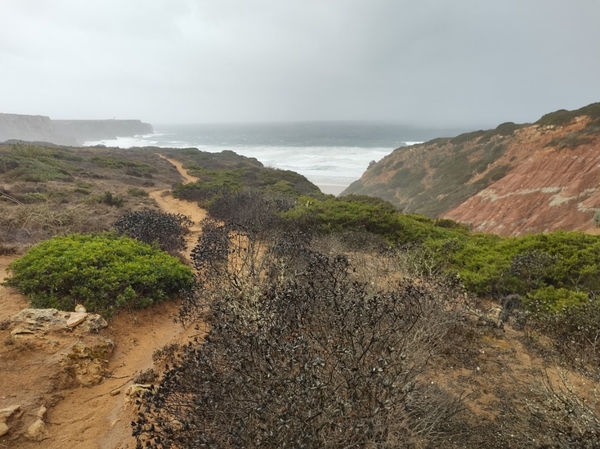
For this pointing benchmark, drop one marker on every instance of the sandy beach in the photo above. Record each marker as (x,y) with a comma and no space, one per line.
(332,189)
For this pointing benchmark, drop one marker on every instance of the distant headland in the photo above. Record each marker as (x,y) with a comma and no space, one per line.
(39,128)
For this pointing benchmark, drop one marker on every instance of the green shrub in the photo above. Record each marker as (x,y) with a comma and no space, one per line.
(134,168)
(363,213)
(551,299)
(565,261)
(111,200)
(214,184)
(35,197)
(134,191)
(103,272)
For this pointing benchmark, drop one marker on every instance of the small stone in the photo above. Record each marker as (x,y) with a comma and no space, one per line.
(76,318)
(37,431)
(7,412)
(42,412)
(79,308)
(115,392)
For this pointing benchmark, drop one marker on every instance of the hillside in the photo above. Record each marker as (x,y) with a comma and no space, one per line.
(512,180)
(306,322)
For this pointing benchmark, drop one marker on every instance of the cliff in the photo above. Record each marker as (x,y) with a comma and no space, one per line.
(31,128)
(512,180)
(39,128)
(85,130)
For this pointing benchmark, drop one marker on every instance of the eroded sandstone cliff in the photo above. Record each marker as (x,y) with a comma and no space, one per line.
(512,180)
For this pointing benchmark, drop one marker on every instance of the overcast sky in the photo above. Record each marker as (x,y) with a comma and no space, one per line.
(426,62)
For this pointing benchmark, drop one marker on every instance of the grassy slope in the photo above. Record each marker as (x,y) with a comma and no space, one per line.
(50,190)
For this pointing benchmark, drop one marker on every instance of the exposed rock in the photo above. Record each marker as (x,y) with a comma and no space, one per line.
(551,190)
(76,318)
(5,415)
(38,431)
(41,321)
(80,308)
(38,320)
(87,363)
(41,413)
(86,130)
(31,128)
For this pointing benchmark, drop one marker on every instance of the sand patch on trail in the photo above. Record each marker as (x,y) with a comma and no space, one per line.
(179,166)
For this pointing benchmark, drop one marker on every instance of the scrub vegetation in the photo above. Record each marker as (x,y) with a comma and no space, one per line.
(103,272)
(332,322)
(328,316)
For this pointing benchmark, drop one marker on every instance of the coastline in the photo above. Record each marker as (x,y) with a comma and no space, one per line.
(331,189)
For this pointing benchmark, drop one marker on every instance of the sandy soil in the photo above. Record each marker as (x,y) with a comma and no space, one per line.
(93,417)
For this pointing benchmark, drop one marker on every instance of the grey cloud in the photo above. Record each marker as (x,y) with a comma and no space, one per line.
(434,62)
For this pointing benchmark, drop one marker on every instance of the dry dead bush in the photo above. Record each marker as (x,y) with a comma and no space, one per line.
(302,354)
(32,223)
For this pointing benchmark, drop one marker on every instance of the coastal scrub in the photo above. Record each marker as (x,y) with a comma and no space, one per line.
(103,272)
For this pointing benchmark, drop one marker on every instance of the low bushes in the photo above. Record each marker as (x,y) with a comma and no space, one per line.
(155,227)
(301,353)
(103,272)
(362,213)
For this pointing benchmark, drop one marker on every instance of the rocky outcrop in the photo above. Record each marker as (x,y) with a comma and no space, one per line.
(512,180)
(83,363)
(37,128)
(61,350)
(41,321)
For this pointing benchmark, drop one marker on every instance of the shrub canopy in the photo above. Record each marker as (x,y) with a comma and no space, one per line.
(103,272)
(155,227)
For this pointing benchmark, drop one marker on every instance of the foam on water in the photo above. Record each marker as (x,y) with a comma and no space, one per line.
(328,154)
(324,166)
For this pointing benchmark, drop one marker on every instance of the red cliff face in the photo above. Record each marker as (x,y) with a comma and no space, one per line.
(550,190)
(514,180)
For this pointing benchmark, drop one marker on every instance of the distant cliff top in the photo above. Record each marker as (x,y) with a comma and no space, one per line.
(40,128)
(511,180)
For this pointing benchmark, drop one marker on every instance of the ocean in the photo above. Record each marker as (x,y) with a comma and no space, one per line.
(330,154)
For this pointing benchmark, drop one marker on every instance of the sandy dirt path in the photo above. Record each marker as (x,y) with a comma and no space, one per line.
(93,417)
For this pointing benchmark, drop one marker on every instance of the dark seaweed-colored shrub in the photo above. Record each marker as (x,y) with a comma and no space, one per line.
(310,359)
(155,227)
(250,210)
